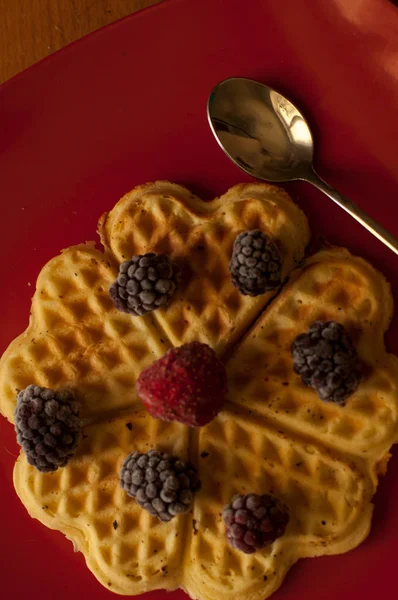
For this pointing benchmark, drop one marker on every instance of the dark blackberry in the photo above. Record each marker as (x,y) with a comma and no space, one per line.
(327,361)
(48,426)
(161,484)
(256,263)
(144,283)
(254,521)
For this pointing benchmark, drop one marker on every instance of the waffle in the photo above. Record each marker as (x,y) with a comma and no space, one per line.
(323,466)
(332,285)
(126,548)
(239,453)
(167,218)
(76,339)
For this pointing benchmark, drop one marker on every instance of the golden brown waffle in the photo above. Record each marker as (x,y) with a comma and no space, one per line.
(320,471)
(129,551)
(333,285)
(76,338)
(167,218)
(329,500)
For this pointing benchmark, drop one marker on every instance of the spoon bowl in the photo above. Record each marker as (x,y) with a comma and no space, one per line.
(260,130)
(266,136)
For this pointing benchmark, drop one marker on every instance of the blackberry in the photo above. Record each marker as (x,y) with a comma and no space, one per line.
(48,426)
(327,361)
(254,521)
(144,283)
(162,484)
(256,263)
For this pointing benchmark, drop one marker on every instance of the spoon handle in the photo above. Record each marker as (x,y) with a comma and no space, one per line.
(361,216)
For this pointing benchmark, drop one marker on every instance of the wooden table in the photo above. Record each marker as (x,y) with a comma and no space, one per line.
(32,29)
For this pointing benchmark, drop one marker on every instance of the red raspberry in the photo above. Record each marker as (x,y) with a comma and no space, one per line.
(188,384)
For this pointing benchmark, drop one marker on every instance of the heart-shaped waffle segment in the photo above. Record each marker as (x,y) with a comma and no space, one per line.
(167,218)
(129,551)
(326,481)
(328,497)
(76,339)
(333,285)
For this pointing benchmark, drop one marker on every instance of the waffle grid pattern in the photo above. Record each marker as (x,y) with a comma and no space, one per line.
(75,335)
(165,218)
(273,436)
(261,370)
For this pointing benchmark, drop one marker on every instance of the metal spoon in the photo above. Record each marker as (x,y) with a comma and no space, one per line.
(268,138)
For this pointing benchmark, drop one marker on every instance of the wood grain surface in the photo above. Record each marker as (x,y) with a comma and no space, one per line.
(33,29)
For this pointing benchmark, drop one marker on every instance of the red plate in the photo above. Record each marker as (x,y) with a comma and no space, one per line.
(127,105)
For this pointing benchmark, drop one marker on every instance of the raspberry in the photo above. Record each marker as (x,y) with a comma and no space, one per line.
(188,384)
